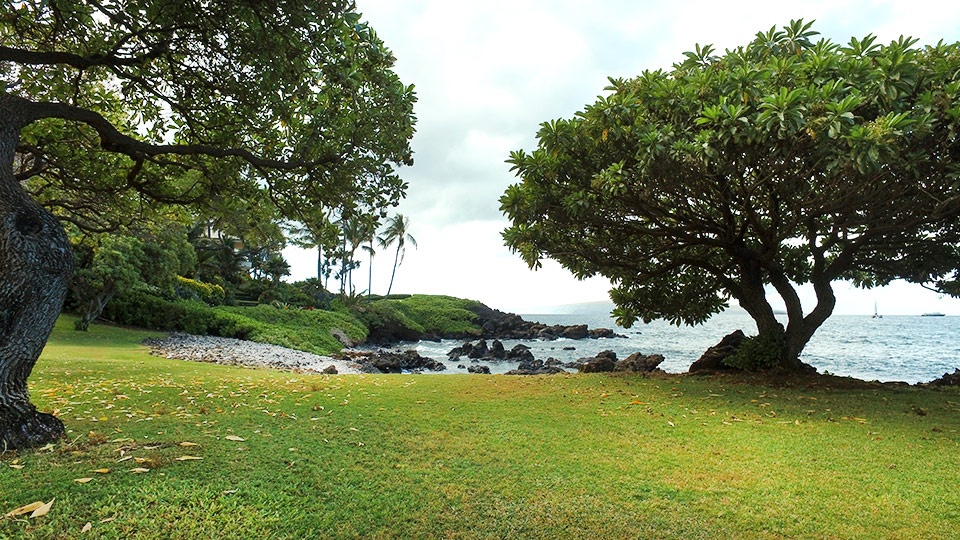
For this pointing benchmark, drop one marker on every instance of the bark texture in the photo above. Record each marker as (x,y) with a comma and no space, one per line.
(35,264)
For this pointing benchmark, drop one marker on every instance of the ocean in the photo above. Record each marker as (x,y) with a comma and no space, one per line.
(904,348)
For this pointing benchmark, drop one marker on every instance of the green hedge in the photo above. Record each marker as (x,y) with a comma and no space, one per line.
(303,329)
(307,330)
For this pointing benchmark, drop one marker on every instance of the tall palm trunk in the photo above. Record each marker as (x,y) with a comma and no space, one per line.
(323,276)
(396,258)
(370,270)
(36,263)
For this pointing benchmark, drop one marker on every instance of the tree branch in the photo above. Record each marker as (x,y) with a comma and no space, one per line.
(53,58)
(111,139)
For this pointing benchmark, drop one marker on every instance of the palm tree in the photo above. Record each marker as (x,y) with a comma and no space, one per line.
(320,234)
(369,249)
(356,231)
(396,231)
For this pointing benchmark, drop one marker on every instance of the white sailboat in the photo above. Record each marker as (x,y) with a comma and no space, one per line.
(876,314)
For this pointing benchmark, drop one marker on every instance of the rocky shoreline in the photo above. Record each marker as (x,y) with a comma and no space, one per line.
(495,325)
(475,357)
(237,352)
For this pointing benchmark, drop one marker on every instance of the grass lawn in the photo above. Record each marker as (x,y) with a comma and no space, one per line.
(169,449)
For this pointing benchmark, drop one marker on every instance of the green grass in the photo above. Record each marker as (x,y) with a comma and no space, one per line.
(471,456)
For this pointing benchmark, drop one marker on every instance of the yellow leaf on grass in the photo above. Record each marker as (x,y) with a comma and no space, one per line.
(187,443)
(86,528)
(25,509)
(43,510)
(82,480)
(16,466)
(140,470)
(234,438)
(101,471)
(188,458)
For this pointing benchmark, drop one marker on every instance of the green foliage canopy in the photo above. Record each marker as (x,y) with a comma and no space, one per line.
(786,161)
(198,102)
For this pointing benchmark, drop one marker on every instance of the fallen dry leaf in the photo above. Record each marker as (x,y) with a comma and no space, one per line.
(234,438)
(43,510)
(25,509)
(82,480)
(16,466)
(124,458)
(188,458)
(139,470)
(101,471)
(108,520)
(86,528)
(187,443)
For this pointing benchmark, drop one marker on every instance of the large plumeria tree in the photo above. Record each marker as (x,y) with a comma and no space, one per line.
(792,160)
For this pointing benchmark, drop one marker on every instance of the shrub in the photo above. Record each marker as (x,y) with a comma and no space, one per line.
(146,310)
(757,353)
(207,293)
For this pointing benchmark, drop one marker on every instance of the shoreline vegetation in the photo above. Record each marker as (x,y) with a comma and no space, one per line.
(372,336)
(160,448)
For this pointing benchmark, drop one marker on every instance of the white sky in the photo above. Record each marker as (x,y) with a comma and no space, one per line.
(487,73)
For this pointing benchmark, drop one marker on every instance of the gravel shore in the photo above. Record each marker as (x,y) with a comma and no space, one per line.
(238,352)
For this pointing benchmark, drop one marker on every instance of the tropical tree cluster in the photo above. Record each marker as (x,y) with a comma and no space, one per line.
(337,244)
(237,109)
(789,161)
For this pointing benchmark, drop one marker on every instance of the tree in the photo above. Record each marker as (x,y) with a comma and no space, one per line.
(396,231)
(151,256)
(371,253)
(354,231)
(318,232)
(108,265)
(276,267)
(787,161)
(179,102)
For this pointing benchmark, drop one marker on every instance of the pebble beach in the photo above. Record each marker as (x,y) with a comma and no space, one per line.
(238,352)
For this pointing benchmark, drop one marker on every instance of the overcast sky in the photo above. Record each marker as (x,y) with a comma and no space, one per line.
(487,73)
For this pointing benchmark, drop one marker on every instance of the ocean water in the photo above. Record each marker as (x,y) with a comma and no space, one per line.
(892,348)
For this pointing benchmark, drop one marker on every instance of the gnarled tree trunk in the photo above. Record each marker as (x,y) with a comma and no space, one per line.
(35,267)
